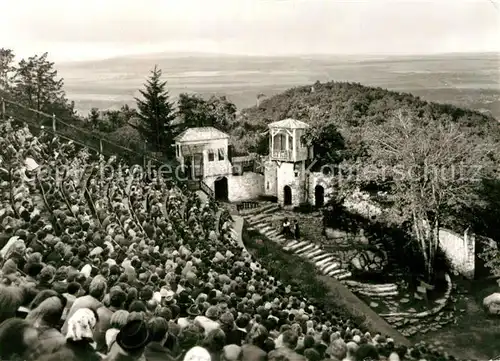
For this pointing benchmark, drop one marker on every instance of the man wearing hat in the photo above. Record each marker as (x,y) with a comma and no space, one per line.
(130,342)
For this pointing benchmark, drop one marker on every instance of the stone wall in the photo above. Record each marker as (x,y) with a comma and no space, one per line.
(293,176)
(360,203)
(311,226)
(460,250)
(270,178)
(319,179)
(210,181)
(247,186)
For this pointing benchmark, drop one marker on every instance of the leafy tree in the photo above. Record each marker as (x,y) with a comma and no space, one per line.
(37,86)
(156,112)
(127,112)
(327,142)
(110,120)
(116,118)
(223,112)
(6,68)
(217,111)
(429,167)
(260,96)
(194,111)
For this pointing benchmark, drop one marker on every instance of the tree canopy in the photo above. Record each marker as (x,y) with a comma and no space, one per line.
(427,170)
(350,106)
(34,83)
(196,111)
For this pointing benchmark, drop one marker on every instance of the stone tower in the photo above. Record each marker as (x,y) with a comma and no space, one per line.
(285,175)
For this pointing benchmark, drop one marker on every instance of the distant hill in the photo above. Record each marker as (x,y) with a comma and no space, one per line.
(470,80)
(350,106)
(353,109)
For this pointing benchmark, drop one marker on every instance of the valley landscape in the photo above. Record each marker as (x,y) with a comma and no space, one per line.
(470,79)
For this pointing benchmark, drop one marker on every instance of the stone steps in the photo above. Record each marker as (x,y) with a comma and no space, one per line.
(377,294)
(320,257)
(314,253)
(374,290)
(305,249)
(327,263)
(296,246)
(259,222)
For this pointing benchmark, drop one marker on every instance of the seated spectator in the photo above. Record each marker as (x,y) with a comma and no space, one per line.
(155,350)
(46,319)
(17,339)
(97,290)
(214,342)
(130,343)
(11,299)
(286,348)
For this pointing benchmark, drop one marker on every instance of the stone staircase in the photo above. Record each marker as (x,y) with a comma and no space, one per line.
(262,217)
(259,219)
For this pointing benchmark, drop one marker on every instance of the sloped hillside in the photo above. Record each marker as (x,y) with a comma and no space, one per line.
(349,106)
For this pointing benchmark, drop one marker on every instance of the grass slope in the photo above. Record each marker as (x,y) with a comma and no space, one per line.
(327,292)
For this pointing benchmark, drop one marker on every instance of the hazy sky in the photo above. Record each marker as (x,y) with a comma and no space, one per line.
(90,29)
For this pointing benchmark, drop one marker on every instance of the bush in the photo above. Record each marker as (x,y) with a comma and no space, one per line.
(398,243)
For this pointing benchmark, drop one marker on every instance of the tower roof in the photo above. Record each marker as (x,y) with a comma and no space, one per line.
(289,123)
(201,134)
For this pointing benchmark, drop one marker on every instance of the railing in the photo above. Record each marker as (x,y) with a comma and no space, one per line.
(247,205)
(205,188)
(282,154)
(37,121)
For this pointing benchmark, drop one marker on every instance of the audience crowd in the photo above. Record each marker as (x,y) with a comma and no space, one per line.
(101,262)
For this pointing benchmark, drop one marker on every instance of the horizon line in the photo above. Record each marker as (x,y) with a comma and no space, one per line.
(289,55)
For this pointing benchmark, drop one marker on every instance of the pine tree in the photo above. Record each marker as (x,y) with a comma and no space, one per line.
(156,112)
(94,117)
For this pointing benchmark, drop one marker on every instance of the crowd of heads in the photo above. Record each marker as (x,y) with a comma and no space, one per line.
(137,268)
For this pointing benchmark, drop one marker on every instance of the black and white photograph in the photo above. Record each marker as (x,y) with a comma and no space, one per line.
(250,180)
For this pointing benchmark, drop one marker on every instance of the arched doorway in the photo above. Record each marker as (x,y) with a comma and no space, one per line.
(287,196)
(221,189)
(319,196)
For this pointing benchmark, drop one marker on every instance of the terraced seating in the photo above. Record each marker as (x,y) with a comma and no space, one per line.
(155,247)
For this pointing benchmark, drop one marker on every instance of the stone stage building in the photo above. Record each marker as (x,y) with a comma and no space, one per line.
(283,174)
